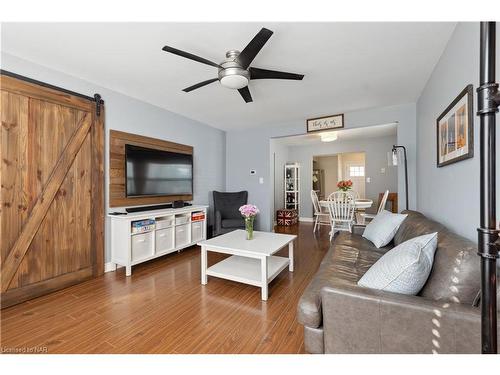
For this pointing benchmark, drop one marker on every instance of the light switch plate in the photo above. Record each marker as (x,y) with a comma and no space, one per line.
(368,180)
(261,180)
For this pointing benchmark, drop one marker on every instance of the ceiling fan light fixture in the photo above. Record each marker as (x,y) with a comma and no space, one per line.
(234,82)
(235,71)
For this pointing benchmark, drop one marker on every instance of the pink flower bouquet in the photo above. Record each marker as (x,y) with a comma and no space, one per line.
(249,211)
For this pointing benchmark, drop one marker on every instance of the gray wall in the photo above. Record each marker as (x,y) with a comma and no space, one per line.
(375,150)
(250,149)
(451,194)
(131,115)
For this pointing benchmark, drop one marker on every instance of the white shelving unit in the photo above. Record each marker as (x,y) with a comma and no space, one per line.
(173,230)
(292,185)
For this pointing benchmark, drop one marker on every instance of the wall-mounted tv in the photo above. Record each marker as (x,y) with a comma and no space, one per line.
(151,172)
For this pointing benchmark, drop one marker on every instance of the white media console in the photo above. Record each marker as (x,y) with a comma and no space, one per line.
(173,230)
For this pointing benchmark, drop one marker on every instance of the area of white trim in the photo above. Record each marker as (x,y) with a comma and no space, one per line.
(109,267)
(306,219)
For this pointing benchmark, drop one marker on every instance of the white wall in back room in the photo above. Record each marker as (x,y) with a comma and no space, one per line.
(134,116)
(375,152)
(252,149)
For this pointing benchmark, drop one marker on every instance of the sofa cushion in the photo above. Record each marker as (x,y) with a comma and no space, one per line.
(349,257)
(415,224)
(233,223)
(383,227)
(405,268)
(455,275)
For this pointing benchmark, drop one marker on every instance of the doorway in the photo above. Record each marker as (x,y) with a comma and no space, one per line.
(354,170)
(328,170)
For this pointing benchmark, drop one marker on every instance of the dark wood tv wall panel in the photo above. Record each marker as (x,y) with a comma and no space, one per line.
(117,142)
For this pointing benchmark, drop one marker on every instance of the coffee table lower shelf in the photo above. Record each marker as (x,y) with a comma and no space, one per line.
(248,270)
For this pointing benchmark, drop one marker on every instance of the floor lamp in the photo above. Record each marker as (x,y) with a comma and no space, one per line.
(394,161)
(488,101)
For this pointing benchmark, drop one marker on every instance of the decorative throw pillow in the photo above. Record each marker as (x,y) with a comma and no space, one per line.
(405,268)
(383,227)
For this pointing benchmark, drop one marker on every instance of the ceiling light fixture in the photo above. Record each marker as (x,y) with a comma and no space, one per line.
(328,137)
(235,71)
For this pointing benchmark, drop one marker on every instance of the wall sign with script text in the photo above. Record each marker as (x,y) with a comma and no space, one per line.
(325,123)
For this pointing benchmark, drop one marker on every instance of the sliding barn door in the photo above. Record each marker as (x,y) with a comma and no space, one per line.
(51,218)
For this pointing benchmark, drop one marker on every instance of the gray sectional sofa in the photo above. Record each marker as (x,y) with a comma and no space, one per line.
(341,317)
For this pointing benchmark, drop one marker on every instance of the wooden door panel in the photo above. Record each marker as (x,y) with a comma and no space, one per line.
(51,178)
(14,117)
(61,243)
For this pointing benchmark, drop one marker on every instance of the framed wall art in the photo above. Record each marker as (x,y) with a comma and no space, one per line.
(325,123)
(455,130)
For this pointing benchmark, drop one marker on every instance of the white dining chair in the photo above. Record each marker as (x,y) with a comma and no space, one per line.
(320,216)
(341,209)
(381,207)
(355,194)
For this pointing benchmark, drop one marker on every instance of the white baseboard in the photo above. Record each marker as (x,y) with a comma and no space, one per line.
(109,267)
(306,219)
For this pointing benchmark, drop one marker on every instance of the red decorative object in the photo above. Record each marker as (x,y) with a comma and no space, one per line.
(197,216)
(344,185)
(287,217)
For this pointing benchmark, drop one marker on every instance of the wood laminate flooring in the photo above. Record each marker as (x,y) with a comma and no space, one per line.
(163,308)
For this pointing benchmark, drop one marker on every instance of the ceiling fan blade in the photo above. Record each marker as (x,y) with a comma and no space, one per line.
(257,73)
(245,94)
(252,49)
(190,56)
(201,84)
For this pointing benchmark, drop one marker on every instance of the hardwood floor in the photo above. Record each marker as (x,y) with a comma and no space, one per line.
(163,308)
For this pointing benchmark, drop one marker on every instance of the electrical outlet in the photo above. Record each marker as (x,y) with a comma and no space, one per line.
(382,170)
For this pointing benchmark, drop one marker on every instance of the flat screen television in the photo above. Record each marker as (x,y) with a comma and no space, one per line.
(152,172)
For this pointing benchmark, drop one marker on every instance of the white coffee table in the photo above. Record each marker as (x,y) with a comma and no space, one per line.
(252,261)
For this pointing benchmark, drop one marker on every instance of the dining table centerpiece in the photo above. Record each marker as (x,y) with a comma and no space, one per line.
(249,211)
(344,185)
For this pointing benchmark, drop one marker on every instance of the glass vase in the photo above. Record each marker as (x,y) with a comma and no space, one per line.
(249,227)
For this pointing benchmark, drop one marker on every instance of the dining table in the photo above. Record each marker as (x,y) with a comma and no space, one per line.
(359,204)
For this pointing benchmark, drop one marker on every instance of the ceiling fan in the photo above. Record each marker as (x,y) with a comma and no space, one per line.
(235,71)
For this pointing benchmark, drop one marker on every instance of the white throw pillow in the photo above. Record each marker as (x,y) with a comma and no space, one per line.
(383,227)
(404,269)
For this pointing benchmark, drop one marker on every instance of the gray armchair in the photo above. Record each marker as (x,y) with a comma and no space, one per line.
(227,216)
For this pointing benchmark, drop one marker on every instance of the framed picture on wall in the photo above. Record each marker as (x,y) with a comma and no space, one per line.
(325,123)
(455,130)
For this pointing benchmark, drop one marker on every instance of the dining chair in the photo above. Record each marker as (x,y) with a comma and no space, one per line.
(320,216)
(381,207)
(341,209)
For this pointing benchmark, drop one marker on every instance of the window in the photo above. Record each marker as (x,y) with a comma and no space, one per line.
(357,171)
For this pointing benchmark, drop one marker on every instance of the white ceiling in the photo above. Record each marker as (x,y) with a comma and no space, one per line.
(384,130)
(347,66)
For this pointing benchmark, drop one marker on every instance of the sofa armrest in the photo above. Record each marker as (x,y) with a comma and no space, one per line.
(362,320)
